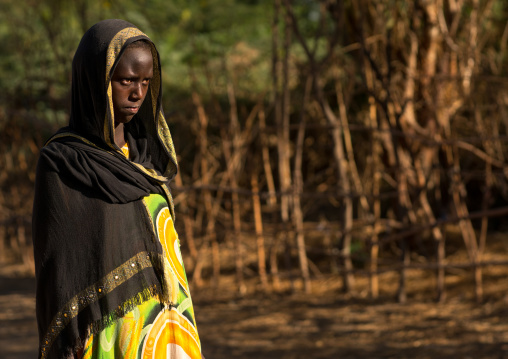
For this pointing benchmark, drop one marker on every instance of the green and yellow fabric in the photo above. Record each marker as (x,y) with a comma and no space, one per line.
(153,330)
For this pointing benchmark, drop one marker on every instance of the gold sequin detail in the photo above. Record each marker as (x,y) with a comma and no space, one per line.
(92,294)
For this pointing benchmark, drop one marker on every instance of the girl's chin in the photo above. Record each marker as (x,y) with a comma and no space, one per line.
(123,120)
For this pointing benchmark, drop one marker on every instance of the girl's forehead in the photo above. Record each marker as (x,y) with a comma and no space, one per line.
(137,53)
(135,57)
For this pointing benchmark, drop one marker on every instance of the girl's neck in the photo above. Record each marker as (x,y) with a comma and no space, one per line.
(119,135)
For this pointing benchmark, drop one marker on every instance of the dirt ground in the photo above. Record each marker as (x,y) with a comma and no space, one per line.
(326,324)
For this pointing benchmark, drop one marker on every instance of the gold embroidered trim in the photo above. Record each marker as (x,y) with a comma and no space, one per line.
(169,196)
(116,44)
(92,294)
(155,82)
(167,141)
(107,122)
(152,173)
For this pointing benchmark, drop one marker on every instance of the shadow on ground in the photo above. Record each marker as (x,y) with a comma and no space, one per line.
(18,327)
(322,325)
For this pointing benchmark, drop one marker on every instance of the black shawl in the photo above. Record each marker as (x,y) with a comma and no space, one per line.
(96,255)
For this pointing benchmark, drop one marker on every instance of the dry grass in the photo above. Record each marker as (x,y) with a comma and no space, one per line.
(325,324)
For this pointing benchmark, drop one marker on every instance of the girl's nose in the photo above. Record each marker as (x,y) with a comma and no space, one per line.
(137,91)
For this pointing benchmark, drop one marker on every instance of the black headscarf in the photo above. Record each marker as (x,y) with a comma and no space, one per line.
(95,251)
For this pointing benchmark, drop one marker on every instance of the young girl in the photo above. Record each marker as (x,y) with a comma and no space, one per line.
(110,276)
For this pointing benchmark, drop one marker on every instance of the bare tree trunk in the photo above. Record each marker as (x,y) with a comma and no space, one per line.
(433,10)
(276,69)
(232,166)
(486,200)
(348,144)
(483,234)
(376,170)
(345,194)
(461,210)
(272,199)
(401,216)
(284,151)
(298,189)
(260,239)
(475,56)
(265,152)
(210,229)
(187,221)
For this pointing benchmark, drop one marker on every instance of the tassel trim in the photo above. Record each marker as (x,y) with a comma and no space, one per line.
(99,290)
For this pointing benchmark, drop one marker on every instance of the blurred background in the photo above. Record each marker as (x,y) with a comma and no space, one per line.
(343,168)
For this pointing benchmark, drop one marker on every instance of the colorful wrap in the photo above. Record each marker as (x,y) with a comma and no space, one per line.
(97,254)
(153,330)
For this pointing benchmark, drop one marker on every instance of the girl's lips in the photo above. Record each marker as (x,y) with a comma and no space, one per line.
(132,109)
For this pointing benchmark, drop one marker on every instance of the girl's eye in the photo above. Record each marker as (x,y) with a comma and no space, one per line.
(126,82)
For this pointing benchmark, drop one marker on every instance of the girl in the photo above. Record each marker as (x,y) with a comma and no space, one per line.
(110,276)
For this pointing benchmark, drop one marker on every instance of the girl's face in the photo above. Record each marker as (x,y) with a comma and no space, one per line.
(130,82)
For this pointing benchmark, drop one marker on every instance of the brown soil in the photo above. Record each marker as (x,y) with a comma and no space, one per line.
(329,325)
(326,324)
(18,327)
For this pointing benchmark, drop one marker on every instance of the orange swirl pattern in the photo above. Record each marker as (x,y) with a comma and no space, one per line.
(171,244)
(171,336)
